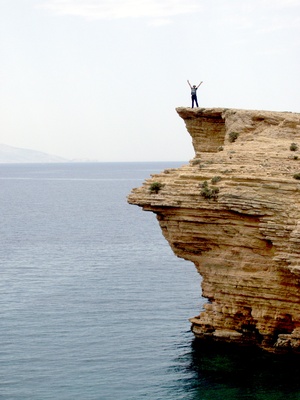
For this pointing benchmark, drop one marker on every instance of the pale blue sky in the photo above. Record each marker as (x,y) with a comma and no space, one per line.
(100,79)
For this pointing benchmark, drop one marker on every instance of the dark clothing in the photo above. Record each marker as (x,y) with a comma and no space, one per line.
(194,99)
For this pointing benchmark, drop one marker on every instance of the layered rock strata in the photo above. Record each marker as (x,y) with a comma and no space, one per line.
(234,212)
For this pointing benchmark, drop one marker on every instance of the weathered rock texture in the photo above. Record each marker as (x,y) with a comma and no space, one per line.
(242,228)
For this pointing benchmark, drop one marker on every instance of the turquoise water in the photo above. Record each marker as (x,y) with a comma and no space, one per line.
(94,304)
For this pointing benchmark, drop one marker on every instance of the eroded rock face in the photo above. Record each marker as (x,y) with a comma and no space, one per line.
(234,211)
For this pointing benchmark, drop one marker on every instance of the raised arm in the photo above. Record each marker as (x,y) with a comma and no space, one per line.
(189,84)
(199,84)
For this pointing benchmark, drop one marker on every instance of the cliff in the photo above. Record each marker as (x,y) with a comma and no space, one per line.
(234,212)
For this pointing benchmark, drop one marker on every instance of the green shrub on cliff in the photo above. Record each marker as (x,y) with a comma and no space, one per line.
(215,179)
(293,147)
(155,187)
(209,192)
(296,176)
(233,136)
(196,161)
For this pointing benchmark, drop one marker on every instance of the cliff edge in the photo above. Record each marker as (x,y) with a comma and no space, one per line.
(234,211)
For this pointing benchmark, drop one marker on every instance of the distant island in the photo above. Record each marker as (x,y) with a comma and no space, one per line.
(10,154)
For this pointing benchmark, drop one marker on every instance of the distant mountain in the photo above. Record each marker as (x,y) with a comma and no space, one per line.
(9,154)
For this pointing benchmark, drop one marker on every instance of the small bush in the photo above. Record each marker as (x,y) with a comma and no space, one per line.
(296,176)
(233,136)
(207,192)
(155,187)
(196,161)
(215,179)
(220,148)
(294,147)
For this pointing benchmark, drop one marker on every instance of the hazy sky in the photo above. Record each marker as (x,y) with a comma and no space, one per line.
(100,79)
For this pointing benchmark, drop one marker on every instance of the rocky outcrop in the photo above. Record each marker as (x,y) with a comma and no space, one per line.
(234,211)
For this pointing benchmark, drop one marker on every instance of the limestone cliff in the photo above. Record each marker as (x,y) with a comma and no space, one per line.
(234,212)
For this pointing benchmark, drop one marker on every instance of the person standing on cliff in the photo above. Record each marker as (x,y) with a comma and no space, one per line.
(194,93)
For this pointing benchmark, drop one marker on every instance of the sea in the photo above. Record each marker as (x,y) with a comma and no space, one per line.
(94,304)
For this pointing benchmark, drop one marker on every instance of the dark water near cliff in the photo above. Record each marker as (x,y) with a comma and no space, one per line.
(94,305)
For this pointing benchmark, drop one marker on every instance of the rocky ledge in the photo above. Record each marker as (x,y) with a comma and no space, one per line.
(234,211)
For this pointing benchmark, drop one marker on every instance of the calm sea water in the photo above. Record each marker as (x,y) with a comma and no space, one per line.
(94,304)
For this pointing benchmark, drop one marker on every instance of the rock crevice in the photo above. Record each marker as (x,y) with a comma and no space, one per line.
(234,212)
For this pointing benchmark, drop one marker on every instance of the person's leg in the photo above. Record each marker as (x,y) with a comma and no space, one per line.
(193,99)
(196,101)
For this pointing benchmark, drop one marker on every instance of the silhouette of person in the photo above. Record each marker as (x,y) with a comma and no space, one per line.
(194,93)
